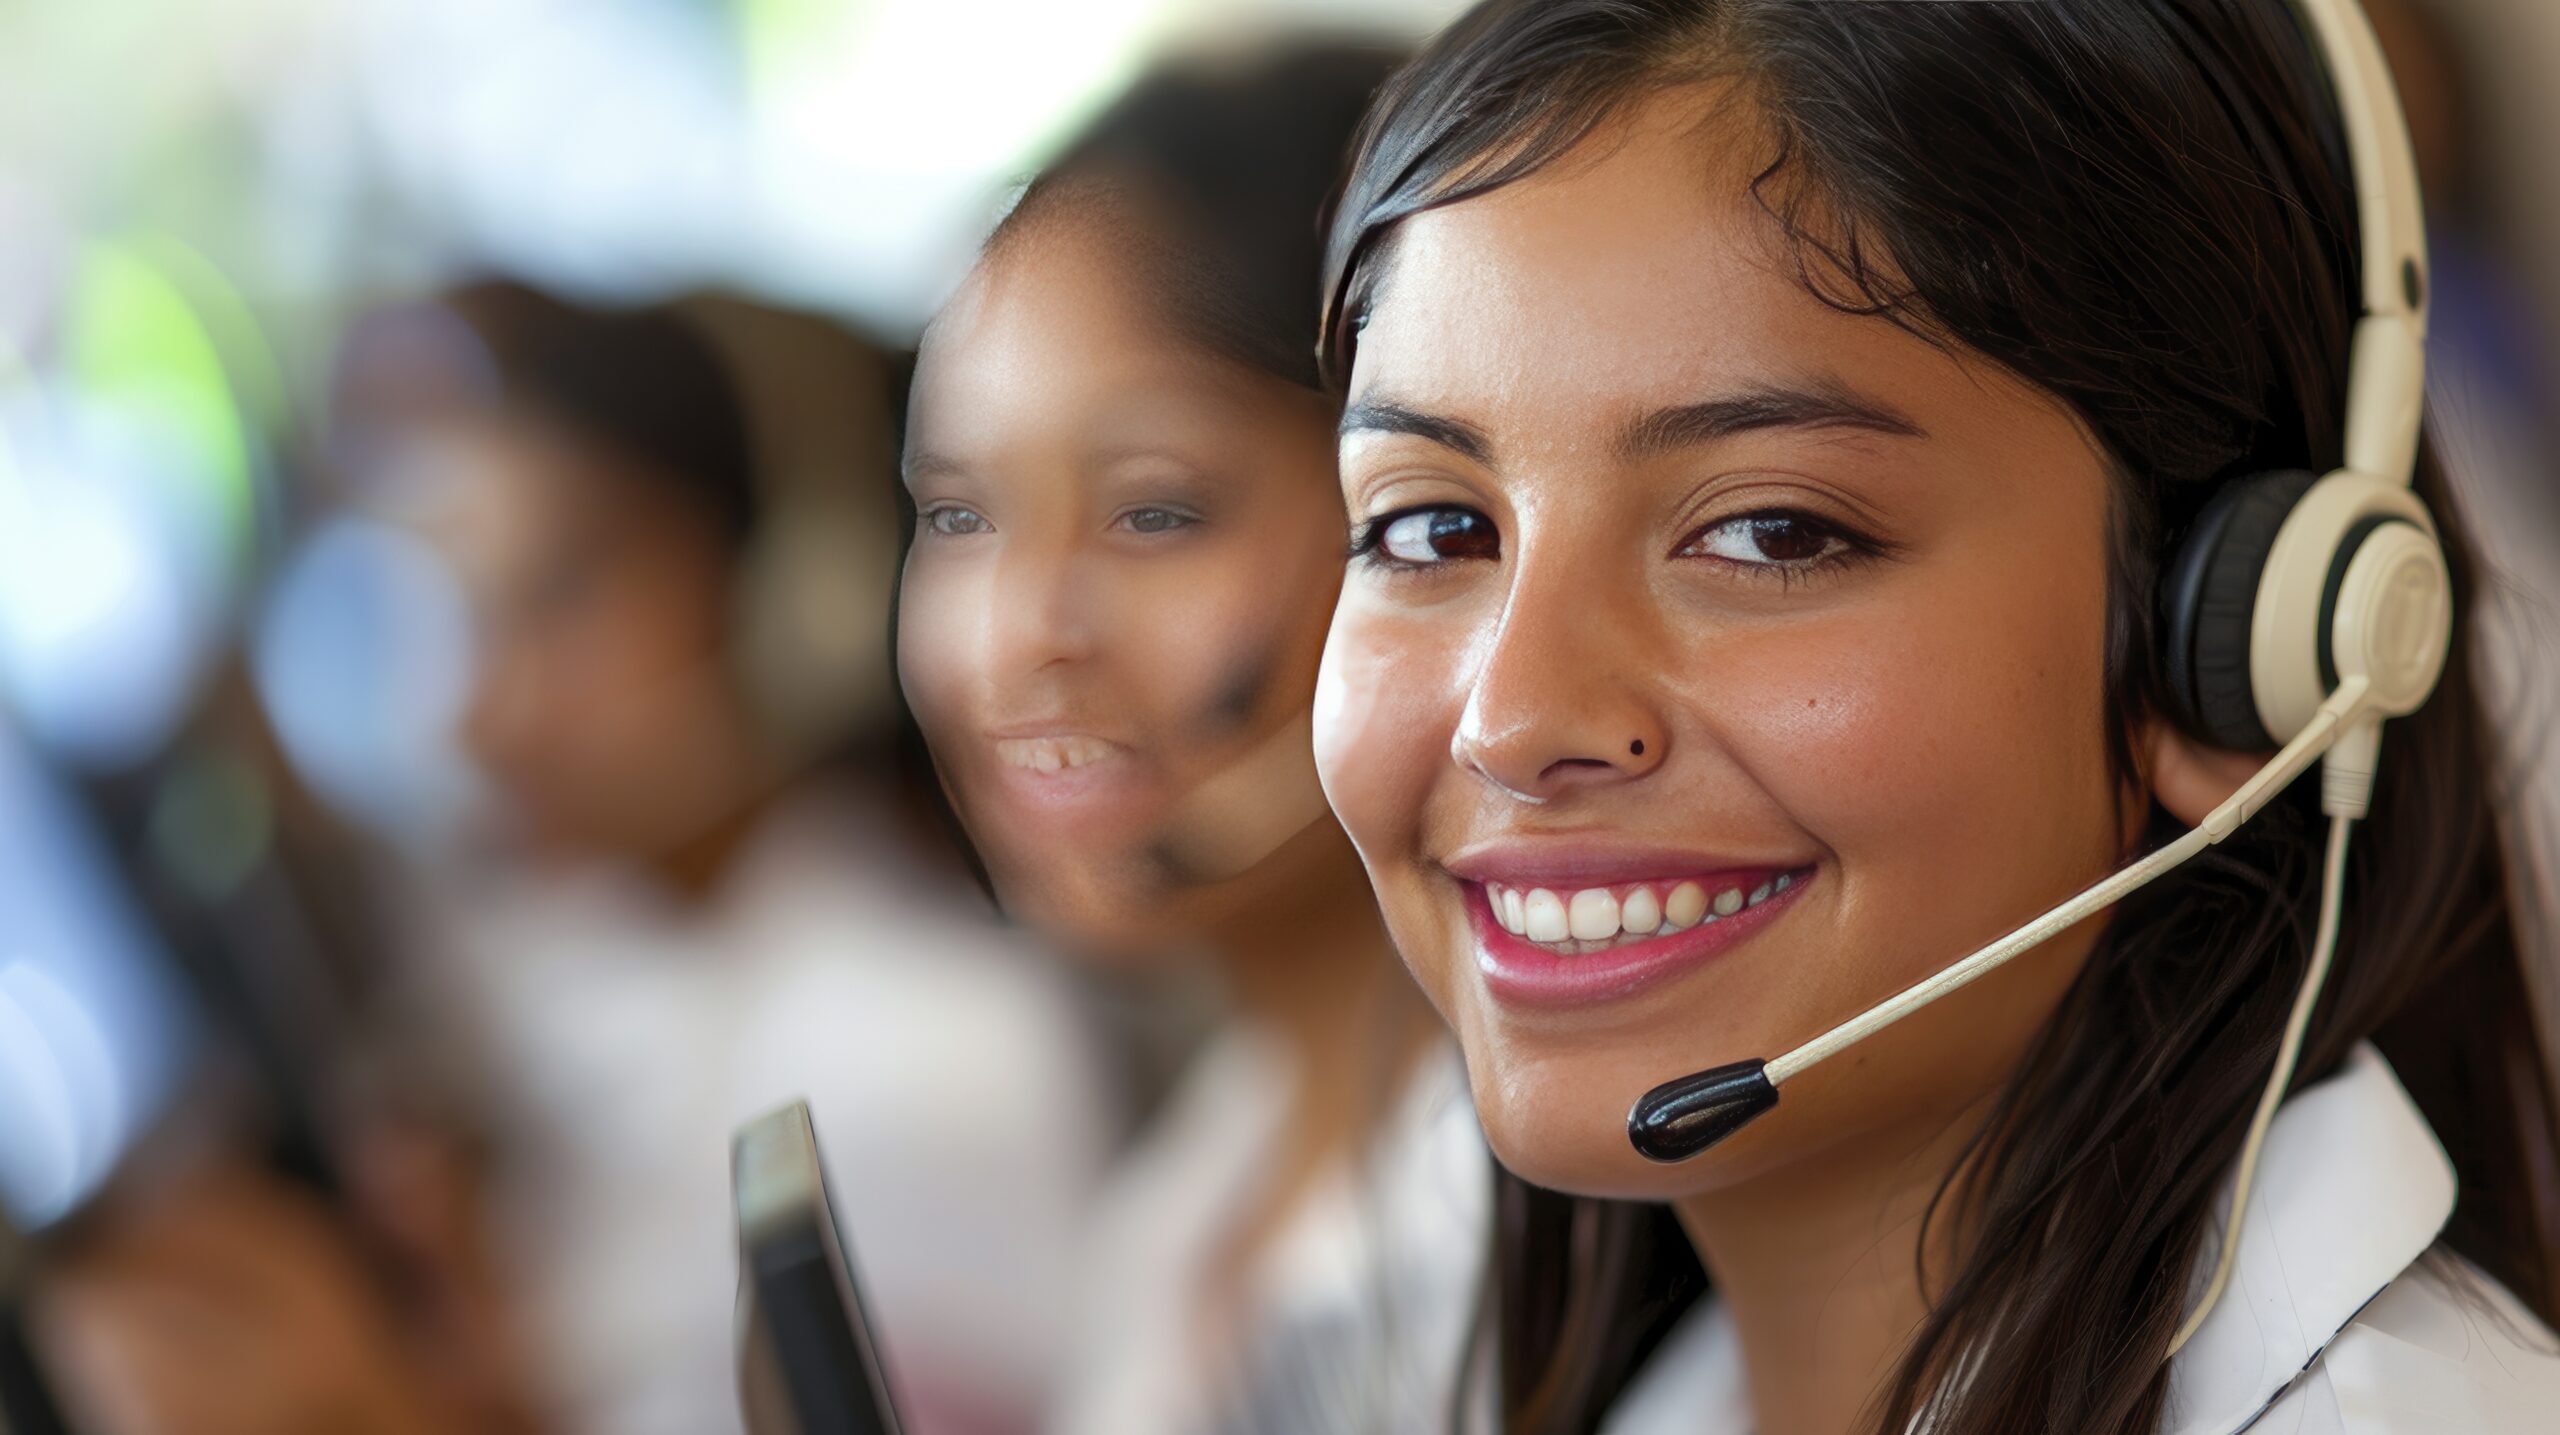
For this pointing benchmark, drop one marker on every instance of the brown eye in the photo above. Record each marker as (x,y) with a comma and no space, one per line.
(956,522)
(1781,540)
(1155,520)
(1436,535)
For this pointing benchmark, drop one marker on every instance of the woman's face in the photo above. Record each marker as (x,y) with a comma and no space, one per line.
(602,706)
(1125,554)
(1718,663)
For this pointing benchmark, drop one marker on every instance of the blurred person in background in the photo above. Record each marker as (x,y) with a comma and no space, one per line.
(673,924)
(696,933)
(2488,366)
(1128,542)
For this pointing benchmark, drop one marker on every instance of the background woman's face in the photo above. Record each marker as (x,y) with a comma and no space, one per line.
(1125,556)
(1720,663)
(602,704)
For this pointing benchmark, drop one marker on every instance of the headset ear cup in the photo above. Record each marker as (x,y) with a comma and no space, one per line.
(2208,601)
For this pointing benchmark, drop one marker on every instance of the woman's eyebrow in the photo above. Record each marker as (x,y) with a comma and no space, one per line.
(1388,416)
(921,464)
(1819,406)
(1816,406)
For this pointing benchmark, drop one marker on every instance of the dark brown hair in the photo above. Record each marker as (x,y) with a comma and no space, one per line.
(644,385)
(1215,176)
(2142,208)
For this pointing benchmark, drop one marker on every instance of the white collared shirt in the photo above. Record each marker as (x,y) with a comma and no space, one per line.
(958,1096)
(2332,1325)
(1351,1320)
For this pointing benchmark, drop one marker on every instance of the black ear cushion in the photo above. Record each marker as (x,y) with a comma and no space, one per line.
(2207,598)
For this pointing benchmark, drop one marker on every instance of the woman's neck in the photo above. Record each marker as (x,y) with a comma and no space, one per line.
(1312,965)
(718,787)
(1820,1266)
(1311,961)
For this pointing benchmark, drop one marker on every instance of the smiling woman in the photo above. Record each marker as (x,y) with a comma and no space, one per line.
(1127,548)
(1757,521)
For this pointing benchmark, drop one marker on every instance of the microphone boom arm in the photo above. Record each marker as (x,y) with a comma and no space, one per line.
(1680,1119)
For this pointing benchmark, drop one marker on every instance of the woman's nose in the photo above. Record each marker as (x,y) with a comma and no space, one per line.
(1562,698)
(1041,610)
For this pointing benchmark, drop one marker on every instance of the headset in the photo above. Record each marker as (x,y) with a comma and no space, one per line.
(2301,612)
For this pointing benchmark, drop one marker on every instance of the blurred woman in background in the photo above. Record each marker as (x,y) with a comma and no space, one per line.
(690,929)
(671,924)
(1128,541)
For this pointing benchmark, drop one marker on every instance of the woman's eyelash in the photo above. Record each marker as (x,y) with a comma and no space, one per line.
(1367,534)
(1470,534)
(1780,545)
(951,520)
(1156,518)
(1842,546)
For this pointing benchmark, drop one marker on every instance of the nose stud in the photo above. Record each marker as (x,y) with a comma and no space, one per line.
(1636,748)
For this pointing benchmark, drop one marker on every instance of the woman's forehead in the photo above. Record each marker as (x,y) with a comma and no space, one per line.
(1056,337)
(1648,267)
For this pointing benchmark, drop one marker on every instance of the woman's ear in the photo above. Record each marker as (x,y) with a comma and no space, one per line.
(2188,777)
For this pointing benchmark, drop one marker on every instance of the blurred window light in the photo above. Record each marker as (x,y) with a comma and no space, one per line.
(94,1030)
(884,134)
(363,661)
(591,144)
(115,565)
(841,153)
(134,338)
(254,377)
(63,1094)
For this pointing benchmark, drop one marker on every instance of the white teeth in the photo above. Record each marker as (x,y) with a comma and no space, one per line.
(1544,917)
(1641,914)
(1594,919)
(1592,915)
(1052,754)
(1686,906)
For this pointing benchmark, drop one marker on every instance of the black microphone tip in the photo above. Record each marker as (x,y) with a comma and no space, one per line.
(1679,1119)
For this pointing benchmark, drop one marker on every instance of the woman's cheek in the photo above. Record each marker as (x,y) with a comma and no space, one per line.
(1928,700)
(1387,701)
(1380,733)
(934,648)
(1842,726)
(1954,784)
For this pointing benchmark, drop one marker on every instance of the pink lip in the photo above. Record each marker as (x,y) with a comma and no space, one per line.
(1098,791)
(1518,972)
(1065,787)
(1043,727)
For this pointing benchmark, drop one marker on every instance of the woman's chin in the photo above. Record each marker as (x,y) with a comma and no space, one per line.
(1580,1153)
(1108,921)
(1557,1127)
(1561,1123)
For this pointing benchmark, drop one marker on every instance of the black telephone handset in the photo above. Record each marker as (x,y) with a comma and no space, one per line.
(807,1364)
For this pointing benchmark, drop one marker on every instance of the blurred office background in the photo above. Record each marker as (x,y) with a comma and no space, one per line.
(235,658)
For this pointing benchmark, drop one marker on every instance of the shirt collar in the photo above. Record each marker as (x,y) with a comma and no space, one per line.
(2352,1188)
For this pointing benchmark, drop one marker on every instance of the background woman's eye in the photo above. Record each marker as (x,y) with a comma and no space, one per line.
(1787,540)
(1435,535)
(954,522)
(1155,520)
